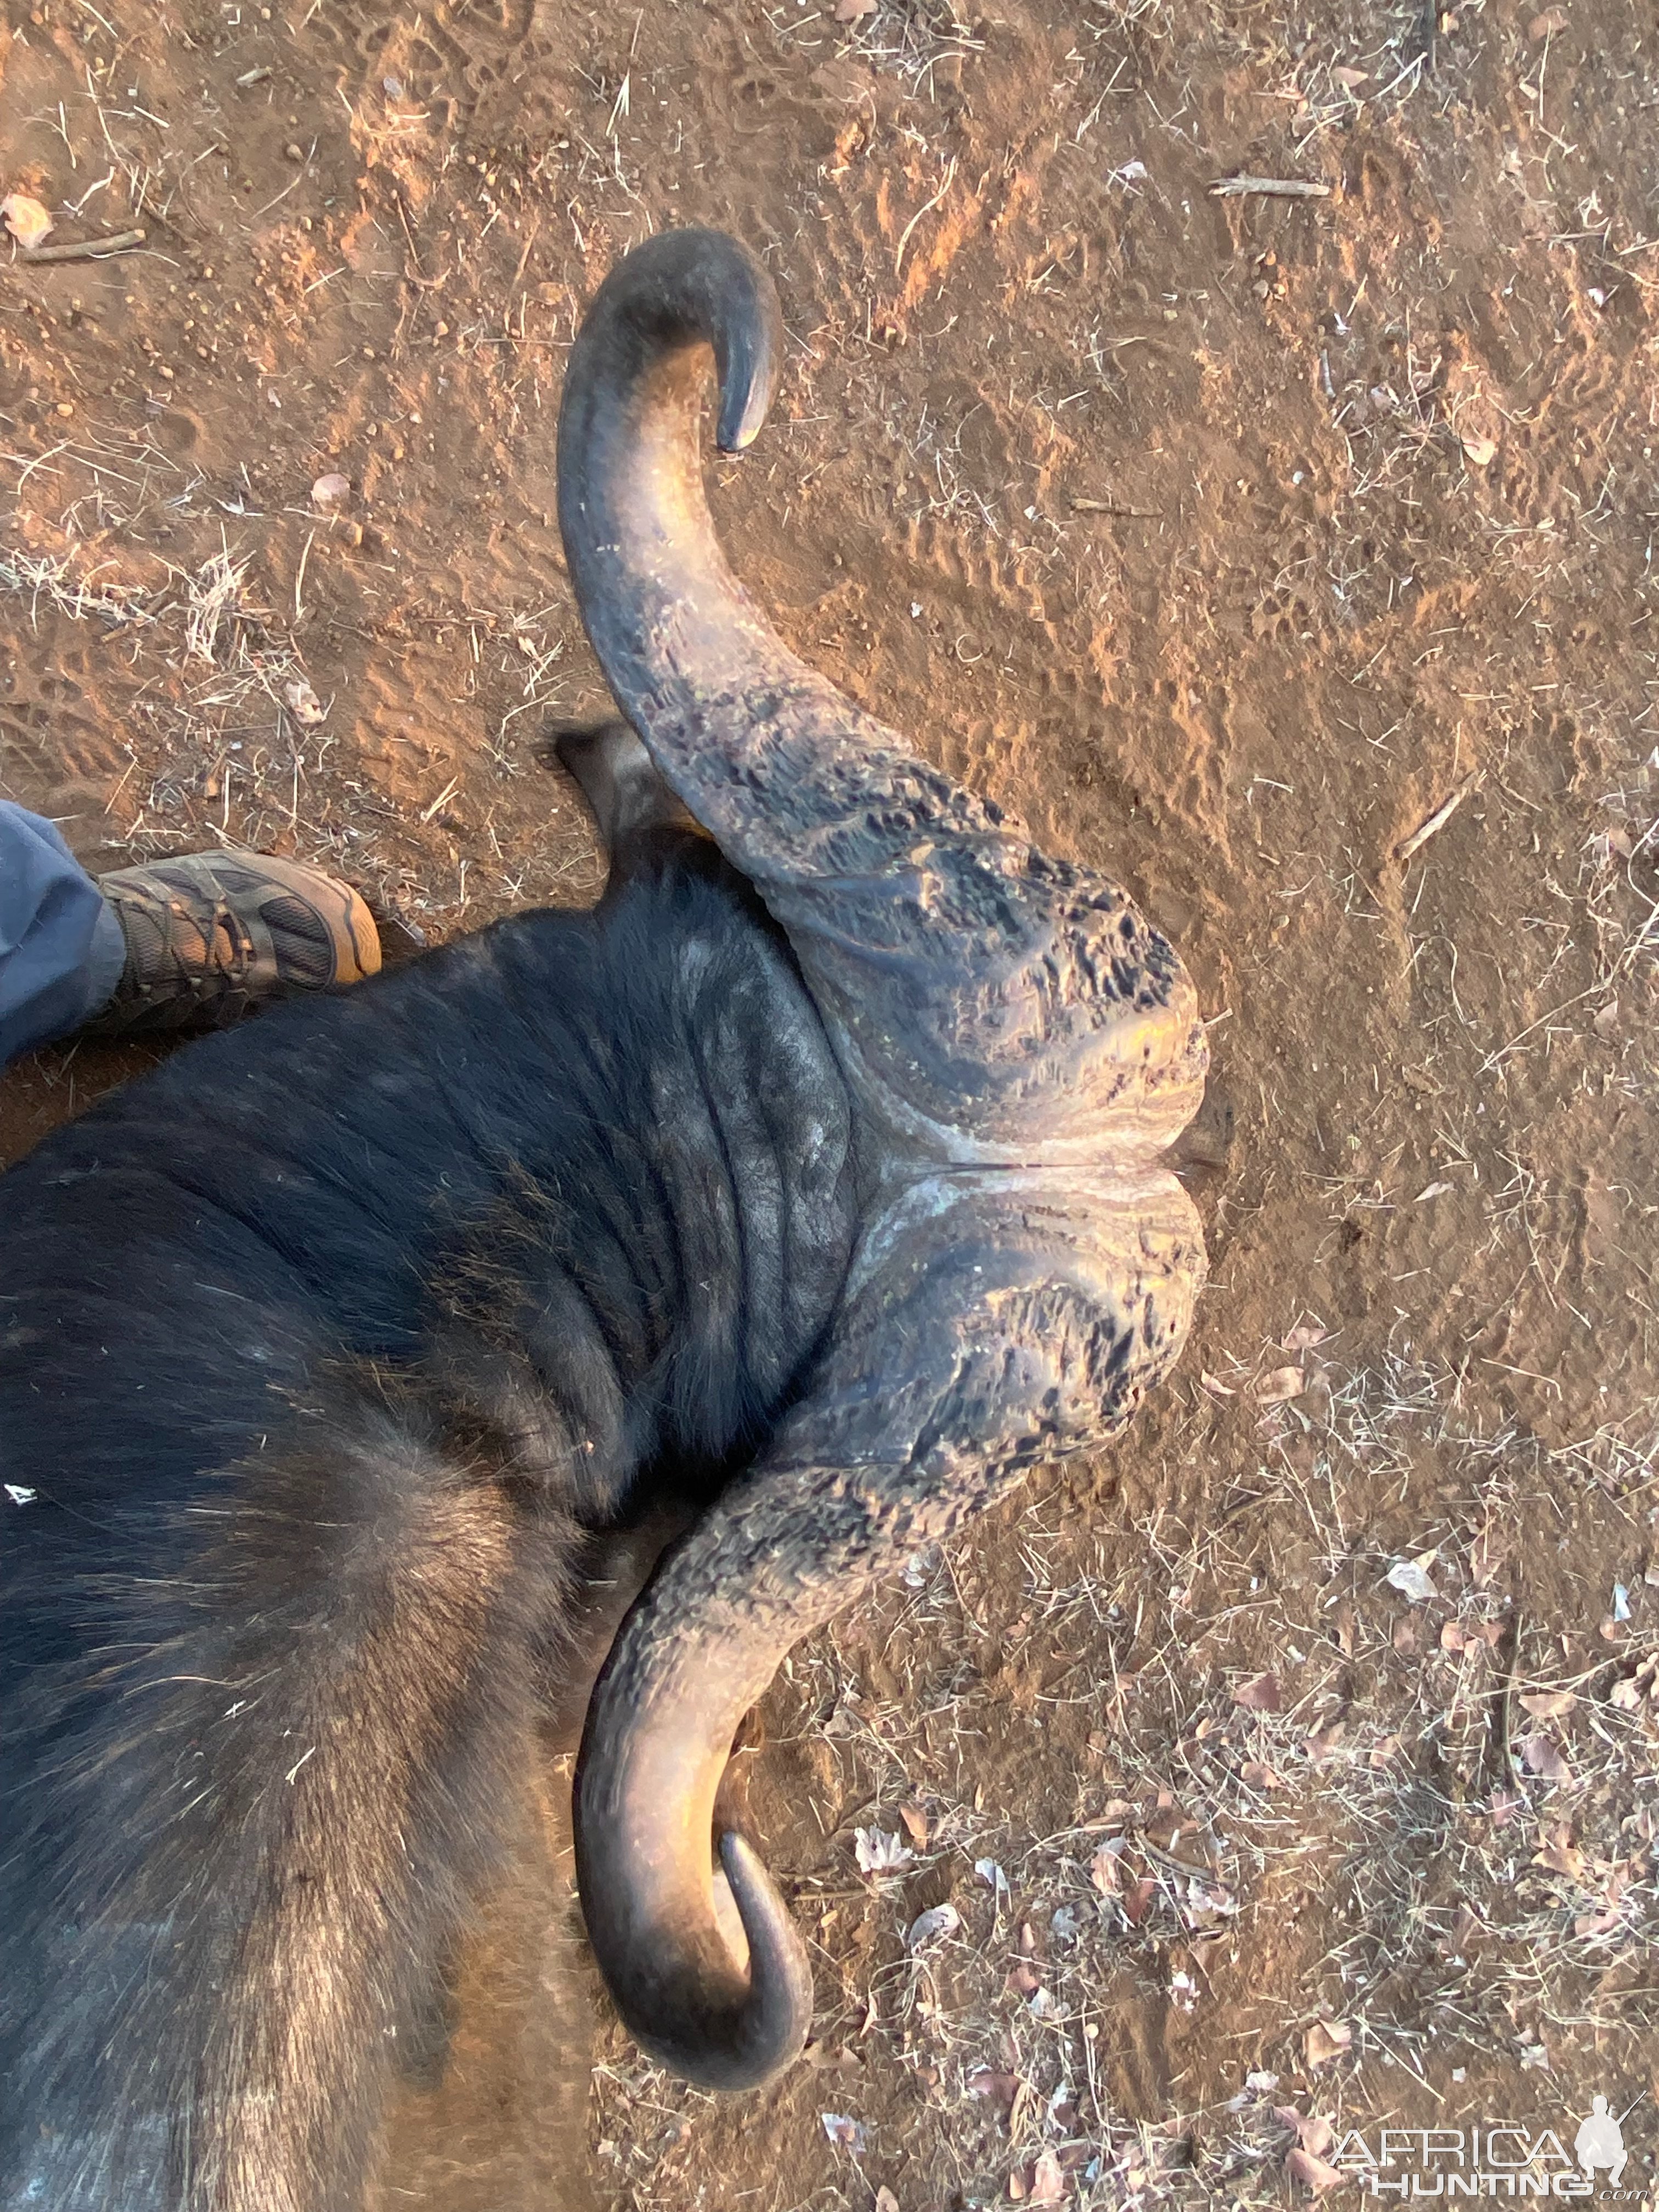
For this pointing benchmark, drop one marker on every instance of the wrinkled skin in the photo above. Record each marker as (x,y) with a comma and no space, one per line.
(1019,1049)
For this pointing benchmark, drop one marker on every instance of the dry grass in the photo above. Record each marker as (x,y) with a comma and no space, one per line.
(58,581)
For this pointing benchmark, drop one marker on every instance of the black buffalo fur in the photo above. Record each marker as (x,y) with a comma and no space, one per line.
(322,1348)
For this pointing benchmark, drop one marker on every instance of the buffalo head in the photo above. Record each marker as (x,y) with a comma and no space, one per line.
(1020,1047)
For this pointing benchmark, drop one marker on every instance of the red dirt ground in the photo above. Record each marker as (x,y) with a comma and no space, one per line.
(1226,539)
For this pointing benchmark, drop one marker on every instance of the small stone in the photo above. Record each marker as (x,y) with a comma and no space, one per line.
(66,407)
(331,492)
(292,152)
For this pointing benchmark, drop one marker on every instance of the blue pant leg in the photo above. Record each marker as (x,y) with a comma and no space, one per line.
(61,947)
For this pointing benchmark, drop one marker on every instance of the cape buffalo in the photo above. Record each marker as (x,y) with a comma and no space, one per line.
(830,1142)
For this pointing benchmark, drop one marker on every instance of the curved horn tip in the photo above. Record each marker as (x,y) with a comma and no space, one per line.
(766,2036)
(779,2019)
(735,291)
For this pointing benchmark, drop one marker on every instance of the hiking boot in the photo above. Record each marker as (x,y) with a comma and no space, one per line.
(211,934)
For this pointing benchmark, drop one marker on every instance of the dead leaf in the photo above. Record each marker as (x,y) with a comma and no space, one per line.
(1214,1384)
(1549,24)
(915,1825)
(879,1852)
(1342,1627)
(1542,1755)
(1467,1924)
(1325,2040)
(1278,1387)
(932,1926)
(1105,1870)
(1504,1807)
(25,219)
(842,2128)
(1047,2182)
(1312,2132)
(1256,1774)
(1561,1855)
(1485,1557)
(1023,1979)
(885,2200)
(1479,451)
(1207,1905)
(1263,1695)
(1137,1900)
(303,703)
(1304,1336)
(853,11)
(1549,1705)
(1313,2173)
(998,2090)
(1598,1923)
(1351,79)
(1605,1020)
(1411,1578)
(1323,1741)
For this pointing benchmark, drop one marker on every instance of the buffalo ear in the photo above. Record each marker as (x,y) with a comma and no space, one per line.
(624,790)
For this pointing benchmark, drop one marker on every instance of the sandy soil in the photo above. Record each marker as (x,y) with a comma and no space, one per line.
(1232,542)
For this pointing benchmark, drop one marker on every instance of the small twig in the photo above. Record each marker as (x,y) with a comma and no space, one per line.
(1441,816)
(1496,1059)
(1282,188)
(86,249)
(299,580)
(904,236)
(446,794)
(1106,506)
(1504,1709)
(1428,28)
